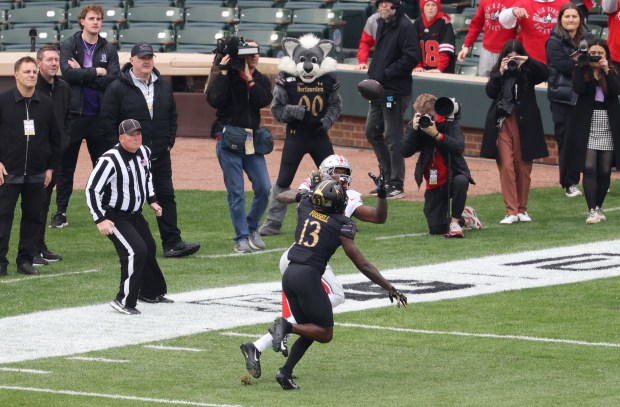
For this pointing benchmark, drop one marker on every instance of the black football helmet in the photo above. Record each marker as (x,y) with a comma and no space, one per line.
(329,197)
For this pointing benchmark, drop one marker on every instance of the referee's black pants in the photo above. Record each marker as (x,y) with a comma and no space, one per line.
(31,203)
(134,243)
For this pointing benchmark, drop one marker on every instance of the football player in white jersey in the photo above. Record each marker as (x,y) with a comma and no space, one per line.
(338,168)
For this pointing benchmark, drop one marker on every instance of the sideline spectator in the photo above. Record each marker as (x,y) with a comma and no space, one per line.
(610,7)
(367,41)
(513,132)
(238,96)
(565,39)
(88,64)
(436,36)
(142,94)
(442,165)
(495,35)
(116,191)
(594,125)
(536,19)
(30,142)
(397,52)
(48,62)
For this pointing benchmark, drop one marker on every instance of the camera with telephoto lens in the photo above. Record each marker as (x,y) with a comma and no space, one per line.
(584,59)
(512,65)
(236,48)
(425,121)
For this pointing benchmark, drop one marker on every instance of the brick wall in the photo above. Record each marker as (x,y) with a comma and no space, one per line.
(349,132)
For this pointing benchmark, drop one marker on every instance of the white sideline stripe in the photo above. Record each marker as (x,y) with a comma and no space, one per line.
(12,369)
(400,236)
(104,360)
(240,334)
(18,280)
(162,347)
(118,397)
(217,256)
(494,336)
(611,209)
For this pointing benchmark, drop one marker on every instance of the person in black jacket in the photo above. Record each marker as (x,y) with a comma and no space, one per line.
(442,165)
(397,52)
(238,97)
(513,131)
(89,64)
(29,152)
(48,62)
(142,94)
(566,38)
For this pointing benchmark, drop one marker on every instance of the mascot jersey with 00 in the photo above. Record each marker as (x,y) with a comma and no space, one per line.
(318,235)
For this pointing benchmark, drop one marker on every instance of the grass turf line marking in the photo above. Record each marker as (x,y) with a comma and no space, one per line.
(11,369)
(162,347)
(118,397)
(493,336)
(240,334)
(103,360)
(217,256)
(18,280)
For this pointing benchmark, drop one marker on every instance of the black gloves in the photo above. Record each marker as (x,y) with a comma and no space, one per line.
(380,183)
(398,296)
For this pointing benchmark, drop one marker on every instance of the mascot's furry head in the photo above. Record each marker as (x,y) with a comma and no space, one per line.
(307,58)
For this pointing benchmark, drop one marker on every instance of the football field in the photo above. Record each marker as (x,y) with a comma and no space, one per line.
(510,315)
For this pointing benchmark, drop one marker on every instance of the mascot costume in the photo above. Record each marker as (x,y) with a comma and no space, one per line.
(306,99)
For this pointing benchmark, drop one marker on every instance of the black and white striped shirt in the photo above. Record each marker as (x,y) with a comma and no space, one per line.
(121,180)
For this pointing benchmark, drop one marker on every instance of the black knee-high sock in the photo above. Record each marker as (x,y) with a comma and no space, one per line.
(298,350)
(590,178)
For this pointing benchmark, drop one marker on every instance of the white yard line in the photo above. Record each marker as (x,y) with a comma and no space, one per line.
(16,370)
(117,397)
(218,256)
(19,280)
(492,336)
(162,347)
(102,360)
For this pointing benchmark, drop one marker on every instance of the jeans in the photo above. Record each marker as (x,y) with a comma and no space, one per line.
(233,166)
(384,132)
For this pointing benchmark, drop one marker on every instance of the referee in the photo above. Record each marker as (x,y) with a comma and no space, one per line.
(116,191)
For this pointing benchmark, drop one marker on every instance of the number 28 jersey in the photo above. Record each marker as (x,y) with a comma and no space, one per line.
(318,235)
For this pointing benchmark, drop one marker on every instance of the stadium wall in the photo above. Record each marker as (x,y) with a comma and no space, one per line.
(189,73)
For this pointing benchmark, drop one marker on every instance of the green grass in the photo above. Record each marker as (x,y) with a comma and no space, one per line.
(360,367)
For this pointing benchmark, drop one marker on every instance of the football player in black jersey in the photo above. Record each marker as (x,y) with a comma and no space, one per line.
(321,229)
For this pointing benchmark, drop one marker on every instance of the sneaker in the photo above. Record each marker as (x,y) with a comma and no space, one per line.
(243,246)
(181,249)
(270,228)
(286,381)
(524,217)
(394,193)
(116,304)
(600,213)
(38,260)
(27,268)
(279,331)
(454,230)
(255,241)
(572,191)
(59,220)
(592,217)
(252,359)
(509,219)
(49,256)
(373,192)
(471,219)
(160,299)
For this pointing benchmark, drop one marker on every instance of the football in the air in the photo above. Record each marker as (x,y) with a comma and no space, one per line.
(370,89)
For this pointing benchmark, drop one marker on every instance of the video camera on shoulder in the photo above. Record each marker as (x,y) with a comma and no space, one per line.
(237,49)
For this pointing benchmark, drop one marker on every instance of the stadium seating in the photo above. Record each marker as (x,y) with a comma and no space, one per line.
(199,39)
(324,23)
(270,41)
(154,16)
(18,39)
(468,70)
(109,34)
(161,39)
(36,17)
(210,16)
(605,33)
(111,16)
(264,18)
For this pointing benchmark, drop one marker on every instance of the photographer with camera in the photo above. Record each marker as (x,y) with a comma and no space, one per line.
(568,37)
(238,92)
(594,125)
(436,133)
(513,132)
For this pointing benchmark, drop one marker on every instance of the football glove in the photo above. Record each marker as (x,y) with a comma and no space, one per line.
(316,178)
(380,183)
(399,297)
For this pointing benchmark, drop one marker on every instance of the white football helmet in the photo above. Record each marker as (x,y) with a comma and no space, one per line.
(329,165)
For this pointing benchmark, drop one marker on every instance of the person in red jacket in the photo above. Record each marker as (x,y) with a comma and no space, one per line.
(436,38)
(536,19)
(367,41)
(495,35)
(610,7)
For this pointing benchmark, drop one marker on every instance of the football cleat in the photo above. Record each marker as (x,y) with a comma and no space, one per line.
(278,332)
(286,381)
(252,359)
